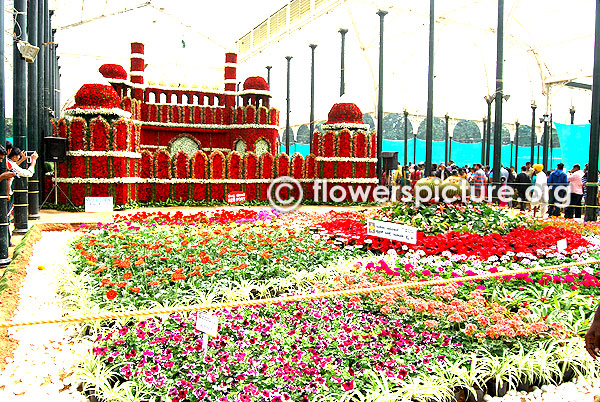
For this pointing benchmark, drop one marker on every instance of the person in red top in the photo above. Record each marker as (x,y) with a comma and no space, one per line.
(478,180)
(415,175)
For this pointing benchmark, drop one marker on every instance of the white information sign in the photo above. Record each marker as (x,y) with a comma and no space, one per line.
(561,245)
(392,231)
(207,323)
(98,204)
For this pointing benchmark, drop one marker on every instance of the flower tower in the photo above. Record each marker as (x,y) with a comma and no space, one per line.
(102,144)
(345,153)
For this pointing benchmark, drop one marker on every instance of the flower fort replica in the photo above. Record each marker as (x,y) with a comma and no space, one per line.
(139,142)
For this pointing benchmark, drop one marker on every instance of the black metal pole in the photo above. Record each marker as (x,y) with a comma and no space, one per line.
(4,231)
(450,149)
(488,134)
(40,65)
(592,181)
(572,111)
(415,147)
(237,98)
(545,143)
(381,14)
(533,135)
(512,143)
(57,88)
(312,94)
(429,119)
(405,137)
(499,97)
(483,138)
(287,112)
(517,125)
(32,115)
(551,143)
(343,32)
(269,76)
(447,118)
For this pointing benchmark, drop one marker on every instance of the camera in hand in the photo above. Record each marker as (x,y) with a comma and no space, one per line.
(28,154)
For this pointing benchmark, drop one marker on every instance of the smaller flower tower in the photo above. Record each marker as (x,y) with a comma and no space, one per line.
(102,143)
(345,152)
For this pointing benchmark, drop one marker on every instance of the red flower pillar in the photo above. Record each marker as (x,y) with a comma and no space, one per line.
(199,169)
(101,138)
(162,170)
(298,173)
(311,173)
(217,172)
(250,173)
(146,168)
(328,167)
(360,151)
(344,150)
(266,172)
(181,171)
(234,162)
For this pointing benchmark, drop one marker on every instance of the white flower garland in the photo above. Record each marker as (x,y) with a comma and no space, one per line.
(254,92)
(116,154)
(100,110)
(341,126)
(344,159)
(95,180)
(205,126)
(118,81)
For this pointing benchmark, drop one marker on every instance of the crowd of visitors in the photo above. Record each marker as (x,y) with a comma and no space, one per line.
(543,192)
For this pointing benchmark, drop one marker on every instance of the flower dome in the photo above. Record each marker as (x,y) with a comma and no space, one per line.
(256,83)
(113,71)
(97,96)
(345,113)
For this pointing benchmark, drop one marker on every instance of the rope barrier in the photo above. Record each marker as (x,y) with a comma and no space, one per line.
(286,299)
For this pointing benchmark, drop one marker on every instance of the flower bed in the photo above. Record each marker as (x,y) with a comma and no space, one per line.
(444,341)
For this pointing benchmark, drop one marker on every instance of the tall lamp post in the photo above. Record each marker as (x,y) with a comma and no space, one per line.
(483,135)
(343,32)
(4,259)
(381,14)
(32,111)
(287,111)
(517,126)
(551,143)
(429,126)
(499,97)
(312,94)
(592,182)
(415,146)
(546,120)
(269,76)
(488,134)
(572,111)
(405,137)
(533,135)
(447,118)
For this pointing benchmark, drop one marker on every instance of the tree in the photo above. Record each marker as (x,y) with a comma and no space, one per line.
(303,134)
(368,119)
(439,127)
(466,132)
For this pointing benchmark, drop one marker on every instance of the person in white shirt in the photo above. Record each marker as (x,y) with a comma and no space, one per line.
(539,199)
(12,163)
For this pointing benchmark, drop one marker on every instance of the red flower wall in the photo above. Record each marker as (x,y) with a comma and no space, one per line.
(266,172)
(250,172)
(181,171)
(162,170)
(217,171)
(199,168)
(234,166)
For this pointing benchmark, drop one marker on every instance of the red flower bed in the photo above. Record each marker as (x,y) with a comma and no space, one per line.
(520,240)
(145,189)
(121,128)
(162,170)
(199,166)
(77,135)
(181,171)
(100,131)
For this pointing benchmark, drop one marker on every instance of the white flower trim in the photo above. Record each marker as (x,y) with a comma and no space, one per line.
(118,81)
(231,81)
(136,74)
(199,90)
(254,92)
(342,159)
(137,55)
(116,154)
(341,126)
(230,64)
(206,126)
(137,86)
(131,180)
(204,149)
(100,110)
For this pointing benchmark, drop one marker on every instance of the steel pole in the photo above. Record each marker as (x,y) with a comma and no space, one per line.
(545,143)
(429,119)
(592,182)
(343,32)
(483,137)
(287,112)
(4,229)
(499,98)
(488,134)
(572,112)
(381,14)
(32,112)
(517,125)
(447,118)
(405,138)
(533,135)
(20,116)
(312,94)
(269,76)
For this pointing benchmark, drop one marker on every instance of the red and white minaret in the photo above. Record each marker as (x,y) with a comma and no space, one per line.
(230,78)
(137,70)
